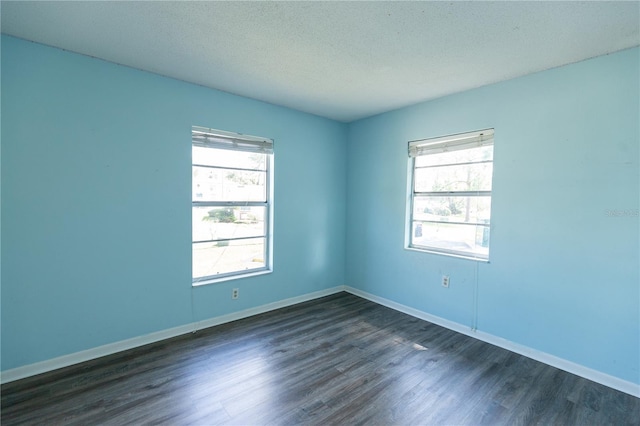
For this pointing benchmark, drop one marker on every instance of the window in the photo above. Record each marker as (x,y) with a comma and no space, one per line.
(231,204)
(450,194)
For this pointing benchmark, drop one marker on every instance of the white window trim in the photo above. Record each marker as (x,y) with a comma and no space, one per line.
(432,146)
(219,139)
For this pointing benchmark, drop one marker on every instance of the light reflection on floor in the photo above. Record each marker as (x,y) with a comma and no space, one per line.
(227,386)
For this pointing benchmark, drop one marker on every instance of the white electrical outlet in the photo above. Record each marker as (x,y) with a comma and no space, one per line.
(445,281)
(235,293)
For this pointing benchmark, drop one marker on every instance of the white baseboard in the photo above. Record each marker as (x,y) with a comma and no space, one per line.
(554,361)
(123,345)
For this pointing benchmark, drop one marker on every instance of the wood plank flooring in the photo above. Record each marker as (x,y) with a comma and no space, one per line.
(339,360)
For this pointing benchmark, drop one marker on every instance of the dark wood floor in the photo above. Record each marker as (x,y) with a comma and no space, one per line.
(336,360)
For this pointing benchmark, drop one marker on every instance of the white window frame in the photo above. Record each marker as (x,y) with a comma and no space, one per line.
(437,145)
(219,139)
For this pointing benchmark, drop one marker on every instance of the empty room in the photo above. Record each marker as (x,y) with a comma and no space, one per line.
(252,213)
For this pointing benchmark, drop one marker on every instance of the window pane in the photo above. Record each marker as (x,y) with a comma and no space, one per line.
(210,259)
(228,158)
(470,239)
(452,209)
(217,223)
(482,153)
(228,185)
(469,177)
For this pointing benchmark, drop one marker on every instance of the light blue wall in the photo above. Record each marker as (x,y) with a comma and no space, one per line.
(96,222)
(96,207)
(563,276)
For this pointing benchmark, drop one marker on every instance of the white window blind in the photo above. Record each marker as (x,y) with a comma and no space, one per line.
(451,143)
(211,138)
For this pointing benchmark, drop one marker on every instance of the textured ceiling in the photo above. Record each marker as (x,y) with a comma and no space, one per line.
(342,60)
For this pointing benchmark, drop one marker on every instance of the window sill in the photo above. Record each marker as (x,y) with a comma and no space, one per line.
(231,277)
(444,253)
